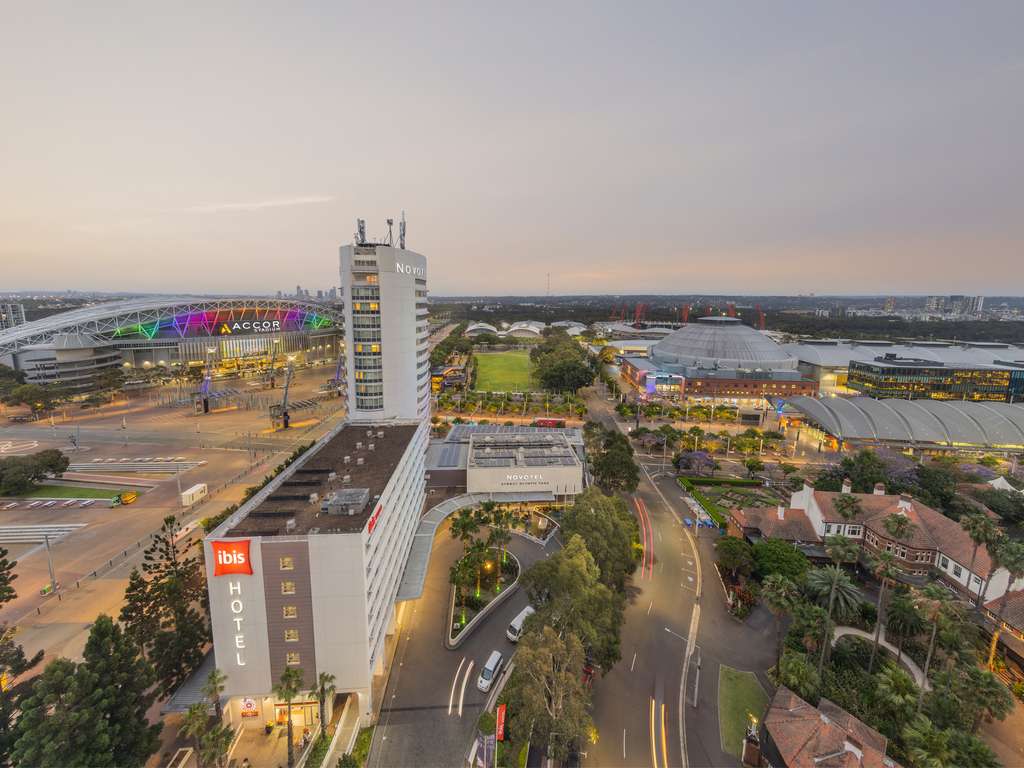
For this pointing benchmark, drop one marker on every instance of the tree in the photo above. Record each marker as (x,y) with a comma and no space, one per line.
(778,556)
(780,595)
(797,674)
(39,397)
(735,556)
(325,688)
(615,470)
(7,577)
(123,695)
(461,576)
(840,550)
(57,727)
(931,602)
(926,745)
(164,610)
(194,724)
(864,470)
(13,664)
(832,583)
(898,526)
(500,521)
(567,592)
(884,569)
(286,689)
(215,745)
(904,621)
(896,693)
(982,530)
(564,375)
(549,691)
(971,752)
(609,532)
(213,688)
(464,527)
(847,505)
(753,465)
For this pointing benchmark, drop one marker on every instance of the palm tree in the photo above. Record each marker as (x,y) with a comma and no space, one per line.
(477,554)
(896,692)
(1009,555)
(841,550)
(982,530)
(818,585)
(213,688)
(324,689)
(847,505)
(884,569)
(501,531)
(899,526)
(993,552)
(903,621)
(286,690)
(931,602)
(461,576)
(194,725)
(464,527)
(927,746)
(780,594)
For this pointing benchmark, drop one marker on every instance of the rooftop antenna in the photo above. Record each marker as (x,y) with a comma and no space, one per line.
(391,239)
(360,231)
(401,232)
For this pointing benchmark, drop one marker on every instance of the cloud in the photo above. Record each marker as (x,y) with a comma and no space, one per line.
(285,202)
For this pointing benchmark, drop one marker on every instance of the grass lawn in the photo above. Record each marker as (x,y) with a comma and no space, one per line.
(70,492)
(361,750)
(739,696)
(503,372)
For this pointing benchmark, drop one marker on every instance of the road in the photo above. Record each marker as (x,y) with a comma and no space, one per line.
(431,703)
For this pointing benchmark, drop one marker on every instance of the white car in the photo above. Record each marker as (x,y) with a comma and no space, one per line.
(490,671)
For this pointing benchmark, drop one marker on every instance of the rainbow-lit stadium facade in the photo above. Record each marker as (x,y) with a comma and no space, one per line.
(236,333)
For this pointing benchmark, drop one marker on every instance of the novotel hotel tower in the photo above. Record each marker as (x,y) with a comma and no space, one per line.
(385,308)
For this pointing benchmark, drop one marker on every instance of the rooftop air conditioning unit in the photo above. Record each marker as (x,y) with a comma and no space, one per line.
(369,433)
(346,479)
(380,435)
(360,461)
(314,498)
(347,460)
(332,476)
(371,446)
(359,445)
(290,525)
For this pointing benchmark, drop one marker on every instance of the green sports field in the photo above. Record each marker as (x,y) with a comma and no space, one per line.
(70,492)
(503,372)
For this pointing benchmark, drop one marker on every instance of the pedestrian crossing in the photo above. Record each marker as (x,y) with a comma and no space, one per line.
(36,534)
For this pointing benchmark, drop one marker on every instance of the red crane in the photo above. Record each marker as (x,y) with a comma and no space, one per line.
(731,308)
(685,313)
(760,317)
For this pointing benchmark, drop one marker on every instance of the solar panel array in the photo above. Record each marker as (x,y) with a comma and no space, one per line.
(460,433)
(548,461)
(450,455)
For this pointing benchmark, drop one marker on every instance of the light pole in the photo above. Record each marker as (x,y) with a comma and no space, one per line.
(49,563)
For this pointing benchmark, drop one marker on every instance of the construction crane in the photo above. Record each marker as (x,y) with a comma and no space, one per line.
(686,313)
(760,317)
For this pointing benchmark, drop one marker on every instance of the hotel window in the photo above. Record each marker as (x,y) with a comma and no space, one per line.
(287,587)
(957,571)
(290,612)
(853,530)
(828,528)
(287,563)
(944,562)
(292,659)
(291,635)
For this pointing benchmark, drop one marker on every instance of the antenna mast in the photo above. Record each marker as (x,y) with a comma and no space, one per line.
(401,232)
(391,239)
(360,231)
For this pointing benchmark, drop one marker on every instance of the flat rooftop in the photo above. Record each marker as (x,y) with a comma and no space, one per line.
(521,450)
(287,511)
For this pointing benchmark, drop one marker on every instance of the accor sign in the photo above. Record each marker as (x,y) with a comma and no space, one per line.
(256,326)
(231,557)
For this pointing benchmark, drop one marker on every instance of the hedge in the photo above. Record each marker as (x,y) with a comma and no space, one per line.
(716,513)
(741,481)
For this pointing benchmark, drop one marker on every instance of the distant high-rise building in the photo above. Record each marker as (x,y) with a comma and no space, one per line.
(11,315)
(384,290)
(935,303)
(298,291)
(974,305)
(955,304)
(320,294)
(890,305)
(279,294)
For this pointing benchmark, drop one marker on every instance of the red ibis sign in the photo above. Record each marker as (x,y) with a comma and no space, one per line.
(231,557)
(499,726)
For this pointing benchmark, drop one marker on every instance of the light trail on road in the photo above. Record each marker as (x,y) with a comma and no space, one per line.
(455,682)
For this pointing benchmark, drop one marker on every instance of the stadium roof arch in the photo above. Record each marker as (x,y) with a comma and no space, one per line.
(950,424)
(181,315)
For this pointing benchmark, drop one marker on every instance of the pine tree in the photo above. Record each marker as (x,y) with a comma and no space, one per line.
(58,726)
(12,661)
(165,611)
(123,679)
(7,576)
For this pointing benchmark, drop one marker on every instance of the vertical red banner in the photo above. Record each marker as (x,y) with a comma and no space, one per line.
(499,728)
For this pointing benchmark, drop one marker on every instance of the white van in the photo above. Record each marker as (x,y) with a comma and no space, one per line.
(490,671)
(515,629)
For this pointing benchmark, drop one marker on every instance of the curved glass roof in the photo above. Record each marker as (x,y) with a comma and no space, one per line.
(954,423)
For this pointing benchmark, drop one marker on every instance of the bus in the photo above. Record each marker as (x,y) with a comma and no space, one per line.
(549,423)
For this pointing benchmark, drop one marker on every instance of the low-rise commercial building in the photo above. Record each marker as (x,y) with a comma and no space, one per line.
(890,375)
(305,574)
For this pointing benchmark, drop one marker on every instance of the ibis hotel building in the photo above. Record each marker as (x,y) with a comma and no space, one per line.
(305,574)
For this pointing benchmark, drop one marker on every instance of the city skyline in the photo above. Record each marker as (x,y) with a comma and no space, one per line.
(720,150)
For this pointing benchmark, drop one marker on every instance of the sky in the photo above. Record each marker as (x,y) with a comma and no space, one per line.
(678,147)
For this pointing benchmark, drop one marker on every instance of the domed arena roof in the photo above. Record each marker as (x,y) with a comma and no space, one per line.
(720,342)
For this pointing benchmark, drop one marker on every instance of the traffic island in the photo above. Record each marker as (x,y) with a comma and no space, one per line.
(477,589)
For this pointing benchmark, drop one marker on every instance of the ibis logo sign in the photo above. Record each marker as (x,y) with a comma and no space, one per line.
(231,557)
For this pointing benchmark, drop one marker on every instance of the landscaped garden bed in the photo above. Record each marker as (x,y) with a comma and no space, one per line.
(478,580)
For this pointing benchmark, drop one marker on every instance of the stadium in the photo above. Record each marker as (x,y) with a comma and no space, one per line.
(236,334)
